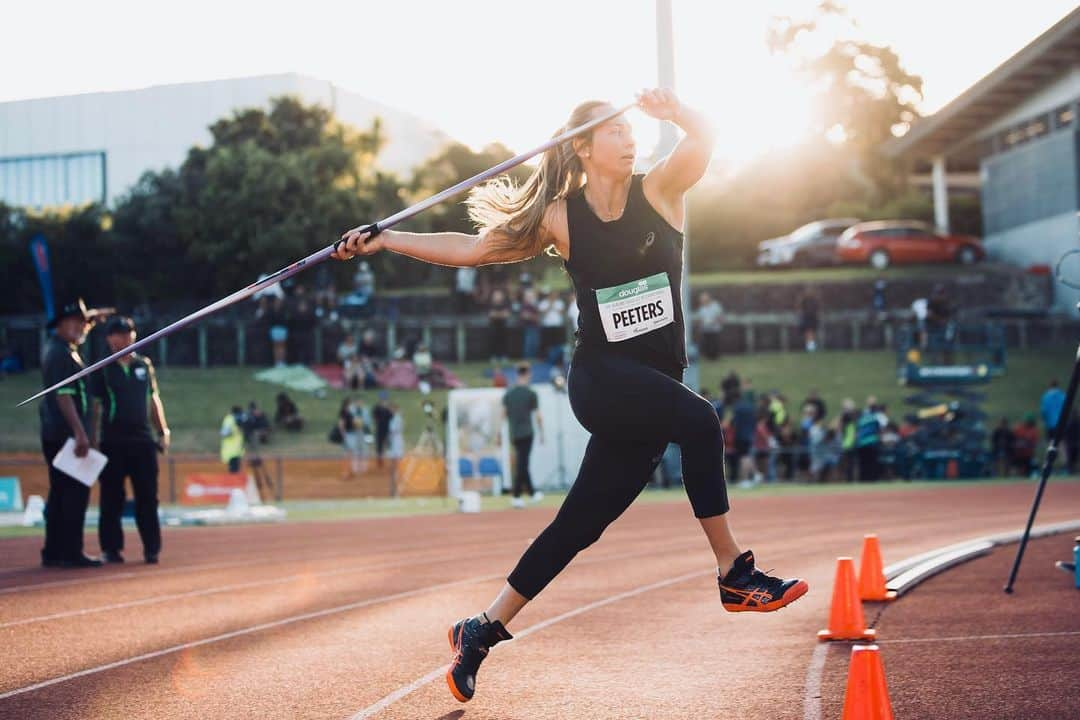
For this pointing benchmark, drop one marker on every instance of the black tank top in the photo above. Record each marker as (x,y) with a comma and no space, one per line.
(627,276)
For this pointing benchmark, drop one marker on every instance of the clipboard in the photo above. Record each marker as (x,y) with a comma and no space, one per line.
(84,469)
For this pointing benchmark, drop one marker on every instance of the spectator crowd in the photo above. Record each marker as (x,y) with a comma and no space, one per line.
(765,441)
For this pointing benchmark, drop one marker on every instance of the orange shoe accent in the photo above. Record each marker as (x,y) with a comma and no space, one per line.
(867,696)
(453,689)
(449,676)
(846,616)
(753,603)
(871,575)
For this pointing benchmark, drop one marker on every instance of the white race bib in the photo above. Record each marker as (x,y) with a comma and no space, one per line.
(636,307)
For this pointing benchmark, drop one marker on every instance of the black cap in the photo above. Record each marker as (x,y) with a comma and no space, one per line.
(75,308)
(119,324)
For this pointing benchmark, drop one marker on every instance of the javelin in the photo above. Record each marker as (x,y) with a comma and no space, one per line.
(321,255)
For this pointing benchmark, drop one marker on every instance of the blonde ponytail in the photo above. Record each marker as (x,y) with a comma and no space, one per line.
(517,212)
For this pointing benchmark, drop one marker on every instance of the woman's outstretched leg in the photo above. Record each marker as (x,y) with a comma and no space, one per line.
(612,474)
(721,539)
(743,588)
(506,605)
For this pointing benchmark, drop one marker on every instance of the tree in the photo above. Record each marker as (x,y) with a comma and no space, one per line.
(455,163)
(273,187)
(864,96)
(81,261)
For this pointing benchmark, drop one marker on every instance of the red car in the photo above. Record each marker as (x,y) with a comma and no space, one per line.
(885,242)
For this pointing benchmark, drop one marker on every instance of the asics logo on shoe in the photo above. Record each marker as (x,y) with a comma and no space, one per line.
(760,596)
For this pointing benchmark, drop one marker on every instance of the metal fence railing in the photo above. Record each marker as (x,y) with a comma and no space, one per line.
(468,339)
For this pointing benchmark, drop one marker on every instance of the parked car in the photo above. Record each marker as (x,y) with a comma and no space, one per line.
(886,242)
(810,245)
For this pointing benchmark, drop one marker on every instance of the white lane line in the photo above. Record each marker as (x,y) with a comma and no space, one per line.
(405,690)
(235,586)
(245,631)
(109,577)
(812,697)
(100,576)
(299,618)
(401,692)
(955,638)
(258,583)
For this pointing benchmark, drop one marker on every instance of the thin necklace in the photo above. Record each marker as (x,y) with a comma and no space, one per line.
(607,216)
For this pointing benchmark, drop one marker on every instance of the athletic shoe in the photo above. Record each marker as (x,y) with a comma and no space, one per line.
(151,558)
(747,589)
(112,556)
(537,496)
(517,503)
(470,639)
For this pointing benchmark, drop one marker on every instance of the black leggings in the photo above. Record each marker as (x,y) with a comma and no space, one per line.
(522,480)
(632,412)
(137,460)
(65,510)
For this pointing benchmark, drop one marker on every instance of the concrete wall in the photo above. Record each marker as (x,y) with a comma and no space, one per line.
(1031,182)
(1042,241)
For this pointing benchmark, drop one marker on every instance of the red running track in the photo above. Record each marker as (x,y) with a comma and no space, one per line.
(348,619)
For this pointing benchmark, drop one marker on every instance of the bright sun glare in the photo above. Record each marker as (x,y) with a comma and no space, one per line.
(491,71)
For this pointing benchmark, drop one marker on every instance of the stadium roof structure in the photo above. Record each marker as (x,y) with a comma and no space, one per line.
(951,132)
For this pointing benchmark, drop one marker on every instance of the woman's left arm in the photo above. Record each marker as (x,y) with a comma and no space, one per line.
(686,164)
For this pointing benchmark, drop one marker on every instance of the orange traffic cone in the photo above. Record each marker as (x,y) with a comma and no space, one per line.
(871,574)
(867,696)
(846,616)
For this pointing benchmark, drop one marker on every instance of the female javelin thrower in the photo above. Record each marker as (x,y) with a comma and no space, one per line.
(619,235)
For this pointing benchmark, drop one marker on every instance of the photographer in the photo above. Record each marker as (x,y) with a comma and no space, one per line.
(256,430)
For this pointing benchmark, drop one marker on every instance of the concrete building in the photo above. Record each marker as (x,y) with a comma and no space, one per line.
(93,147)
(1018,129)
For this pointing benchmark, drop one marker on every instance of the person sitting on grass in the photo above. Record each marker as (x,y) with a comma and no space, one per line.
(1001,448)
(348,354)
(422,361)
(287,414)
(1025,440)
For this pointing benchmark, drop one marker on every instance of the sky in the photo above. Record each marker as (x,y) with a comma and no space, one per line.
(503,70)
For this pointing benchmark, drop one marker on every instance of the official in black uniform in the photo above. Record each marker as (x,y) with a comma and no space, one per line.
(63,416)
(125,396)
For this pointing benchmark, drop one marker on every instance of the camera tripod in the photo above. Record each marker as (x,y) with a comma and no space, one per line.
(1064,418)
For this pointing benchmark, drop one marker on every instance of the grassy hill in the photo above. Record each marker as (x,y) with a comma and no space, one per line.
(196,400)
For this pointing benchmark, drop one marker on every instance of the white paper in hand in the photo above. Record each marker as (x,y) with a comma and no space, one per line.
(84,469)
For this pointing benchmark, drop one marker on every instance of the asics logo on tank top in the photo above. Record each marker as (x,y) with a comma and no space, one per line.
(649,240)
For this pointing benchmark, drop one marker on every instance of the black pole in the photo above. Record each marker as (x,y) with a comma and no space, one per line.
(1048,465)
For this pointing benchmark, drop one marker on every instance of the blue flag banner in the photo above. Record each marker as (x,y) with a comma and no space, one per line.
(39,251)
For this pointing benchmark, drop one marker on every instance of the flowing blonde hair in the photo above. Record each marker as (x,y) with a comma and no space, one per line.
(517,212)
